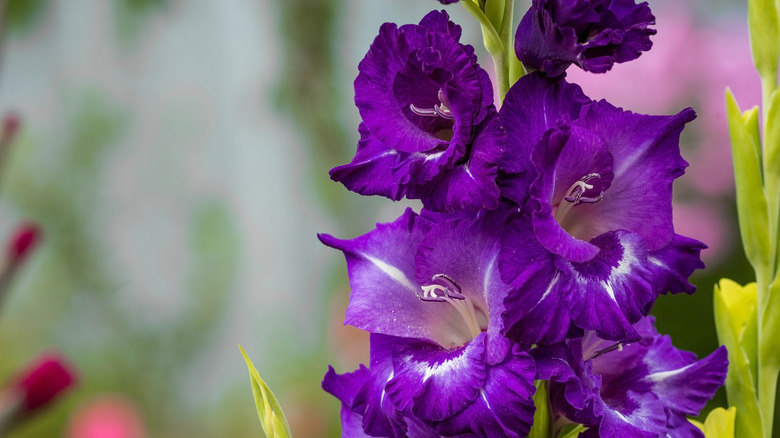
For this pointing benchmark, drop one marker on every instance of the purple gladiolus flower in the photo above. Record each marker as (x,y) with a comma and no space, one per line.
(593,34)
(429,128)
(595,245)
(640,389)
(431,294)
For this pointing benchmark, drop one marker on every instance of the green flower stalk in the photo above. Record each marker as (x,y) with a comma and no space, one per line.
(748,318)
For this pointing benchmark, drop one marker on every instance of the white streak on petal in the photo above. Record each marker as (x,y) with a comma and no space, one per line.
(663,375)
(392,272)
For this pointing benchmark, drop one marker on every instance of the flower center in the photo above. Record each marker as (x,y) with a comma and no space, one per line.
(444,290)
(581,192)
(441,109)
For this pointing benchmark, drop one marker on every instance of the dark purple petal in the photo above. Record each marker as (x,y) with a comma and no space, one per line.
(421,94)
(505,405)
(470,184)
(447,2)
(537,309)
(610,292)
(371,170)
(533,105)
(574,390)
(434,383)
(593,34)
(673,264)
(345,387)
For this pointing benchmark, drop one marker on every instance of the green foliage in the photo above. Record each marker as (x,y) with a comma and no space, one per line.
(20,16)
(132,15)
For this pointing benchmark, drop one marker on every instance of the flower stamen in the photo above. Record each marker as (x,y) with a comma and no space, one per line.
(574,196)
(444,289)
(441,109)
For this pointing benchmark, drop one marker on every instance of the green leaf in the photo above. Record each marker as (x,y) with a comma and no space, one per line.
(764,37)
(719,423)
(542,418)
(572,431)
(268,408)
(751,202)
(736,324)
(494,10)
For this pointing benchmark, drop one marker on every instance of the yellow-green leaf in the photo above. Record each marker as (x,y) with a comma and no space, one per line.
(751,201)
(719,423)
(736,324)
(269,410)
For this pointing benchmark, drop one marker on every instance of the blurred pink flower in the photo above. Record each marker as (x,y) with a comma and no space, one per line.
(107,416)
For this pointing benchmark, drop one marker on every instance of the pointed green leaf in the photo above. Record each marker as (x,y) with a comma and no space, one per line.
(719,423)
(751,202)
(736,324)
(268,408)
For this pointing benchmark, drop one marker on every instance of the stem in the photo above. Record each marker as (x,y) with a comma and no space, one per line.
(766,277)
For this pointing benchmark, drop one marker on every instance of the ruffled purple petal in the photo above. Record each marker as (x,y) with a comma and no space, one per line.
(541,44)
(574,390)
(470,184)
(505,404)
(672,265)
(421,94)
(610,292)
(593,34)
(434,383)
(371,170)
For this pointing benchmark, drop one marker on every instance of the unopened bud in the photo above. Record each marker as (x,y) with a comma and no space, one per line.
(42,382)
(22,242)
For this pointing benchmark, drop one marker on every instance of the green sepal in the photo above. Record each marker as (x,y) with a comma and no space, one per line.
(719,423)
(751,202)
(269,410)
(764,37)
(736,324)
(542,426)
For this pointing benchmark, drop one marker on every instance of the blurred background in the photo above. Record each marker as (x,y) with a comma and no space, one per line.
(175,155)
